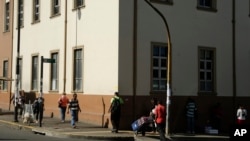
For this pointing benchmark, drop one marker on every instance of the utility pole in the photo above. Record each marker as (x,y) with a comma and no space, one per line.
(168,90)
(17,64)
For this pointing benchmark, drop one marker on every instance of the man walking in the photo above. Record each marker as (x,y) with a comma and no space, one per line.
(115,109)
(160,119)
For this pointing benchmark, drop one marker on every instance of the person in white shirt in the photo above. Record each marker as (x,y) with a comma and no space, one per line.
(241,115)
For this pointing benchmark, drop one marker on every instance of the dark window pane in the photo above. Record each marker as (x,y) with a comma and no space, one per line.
(202,76)
(163,74)
(156,51)
(155,73)
(209,66)
(163,63)
(155,62)
(202,66)
(163,52)
(155,85)
(209,76)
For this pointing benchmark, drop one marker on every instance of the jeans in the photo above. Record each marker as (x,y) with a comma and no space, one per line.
(161,130)
(190,124)
(63,112)
(73,117)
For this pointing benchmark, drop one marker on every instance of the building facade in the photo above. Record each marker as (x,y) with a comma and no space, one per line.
(6,48)
(102,47)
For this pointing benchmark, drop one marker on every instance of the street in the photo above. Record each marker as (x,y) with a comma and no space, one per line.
(9,134)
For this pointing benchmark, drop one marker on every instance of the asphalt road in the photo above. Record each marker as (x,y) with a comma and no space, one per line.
(11,134)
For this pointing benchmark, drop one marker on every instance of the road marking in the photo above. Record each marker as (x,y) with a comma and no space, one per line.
(17,124)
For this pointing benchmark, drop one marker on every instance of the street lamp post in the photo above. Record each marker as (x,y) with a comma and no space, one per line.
(17,64)
(168,90)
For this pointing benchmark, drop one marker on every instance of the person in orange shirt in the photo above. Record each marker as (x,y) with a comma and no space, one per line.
(160,119)
(63,103)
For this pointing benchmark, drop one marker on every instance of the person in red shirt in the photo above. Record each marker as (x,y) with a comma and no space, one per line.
(63,103)
(160,119)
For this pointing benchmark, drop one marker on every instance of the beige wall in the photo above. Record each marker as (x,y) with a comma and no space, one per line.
(6,41)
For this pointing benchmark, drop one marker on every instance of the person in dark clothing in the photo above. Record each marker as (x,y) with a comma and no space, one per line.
(115,110)
(191,110)
(74,108)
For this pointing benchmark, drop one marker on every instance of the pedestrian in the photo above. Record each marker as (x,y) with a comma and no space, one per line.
(35,106)
(115,110)
(241,115)
(62,104)
(152,112)
(160,119)
(19,105)
(191,111)
(216,116)
(73,108)
(39,114)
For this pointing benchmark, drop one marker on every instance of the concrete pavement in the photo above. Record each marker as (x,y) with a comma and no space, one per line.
(53,127)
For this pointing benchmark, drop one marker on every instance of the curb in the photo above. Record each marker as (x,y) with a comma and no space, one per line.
(46,132)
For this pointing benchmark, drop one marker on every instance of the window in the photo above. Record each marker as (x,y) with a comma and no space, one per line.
(207,5)
(34,73)
(206,70)
(36,10)
(78,3)
(78,64)
(159,67)
(5,74)
(163,1)
(21,23)
(7,17)
(54,73)
(55,9)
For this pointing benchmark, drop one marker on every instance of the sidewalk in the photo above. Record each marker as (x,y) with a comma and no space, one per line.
(53,127)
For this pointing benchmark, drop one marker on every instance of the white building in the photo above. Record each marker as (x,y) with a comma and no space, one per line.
(121,45)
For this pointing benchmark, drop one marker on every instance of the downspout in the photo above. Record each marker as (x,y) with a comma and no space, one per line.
(134,55)
(12,37)
(233,53)
(65,45)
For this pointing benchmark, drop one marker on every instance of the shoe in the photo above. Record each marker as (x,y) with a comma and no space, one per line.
(63,121)
(74,126)
(15,120)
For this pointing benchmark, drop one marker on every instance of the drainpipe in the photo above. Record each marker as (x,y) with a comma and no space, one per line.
(233,53)
(12,37)
(134,55)
(65,45)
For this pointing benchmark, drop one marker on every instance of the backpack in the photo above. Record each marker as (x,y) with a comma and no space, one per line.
(115,106)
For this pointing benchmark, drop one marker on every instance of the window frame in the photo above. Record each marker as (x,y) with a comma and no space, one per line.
(7,16)
(21,24)
(76,6)
(54,69)
(206,62)
(34,73)
(212,8)
(160,68)
(77,87)
(36,11)
(55,6)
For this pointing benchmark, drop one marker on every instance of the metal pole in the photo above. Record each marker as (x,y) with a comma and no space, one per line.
(168,91)
(41,78)
(17,64)
(41,99)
